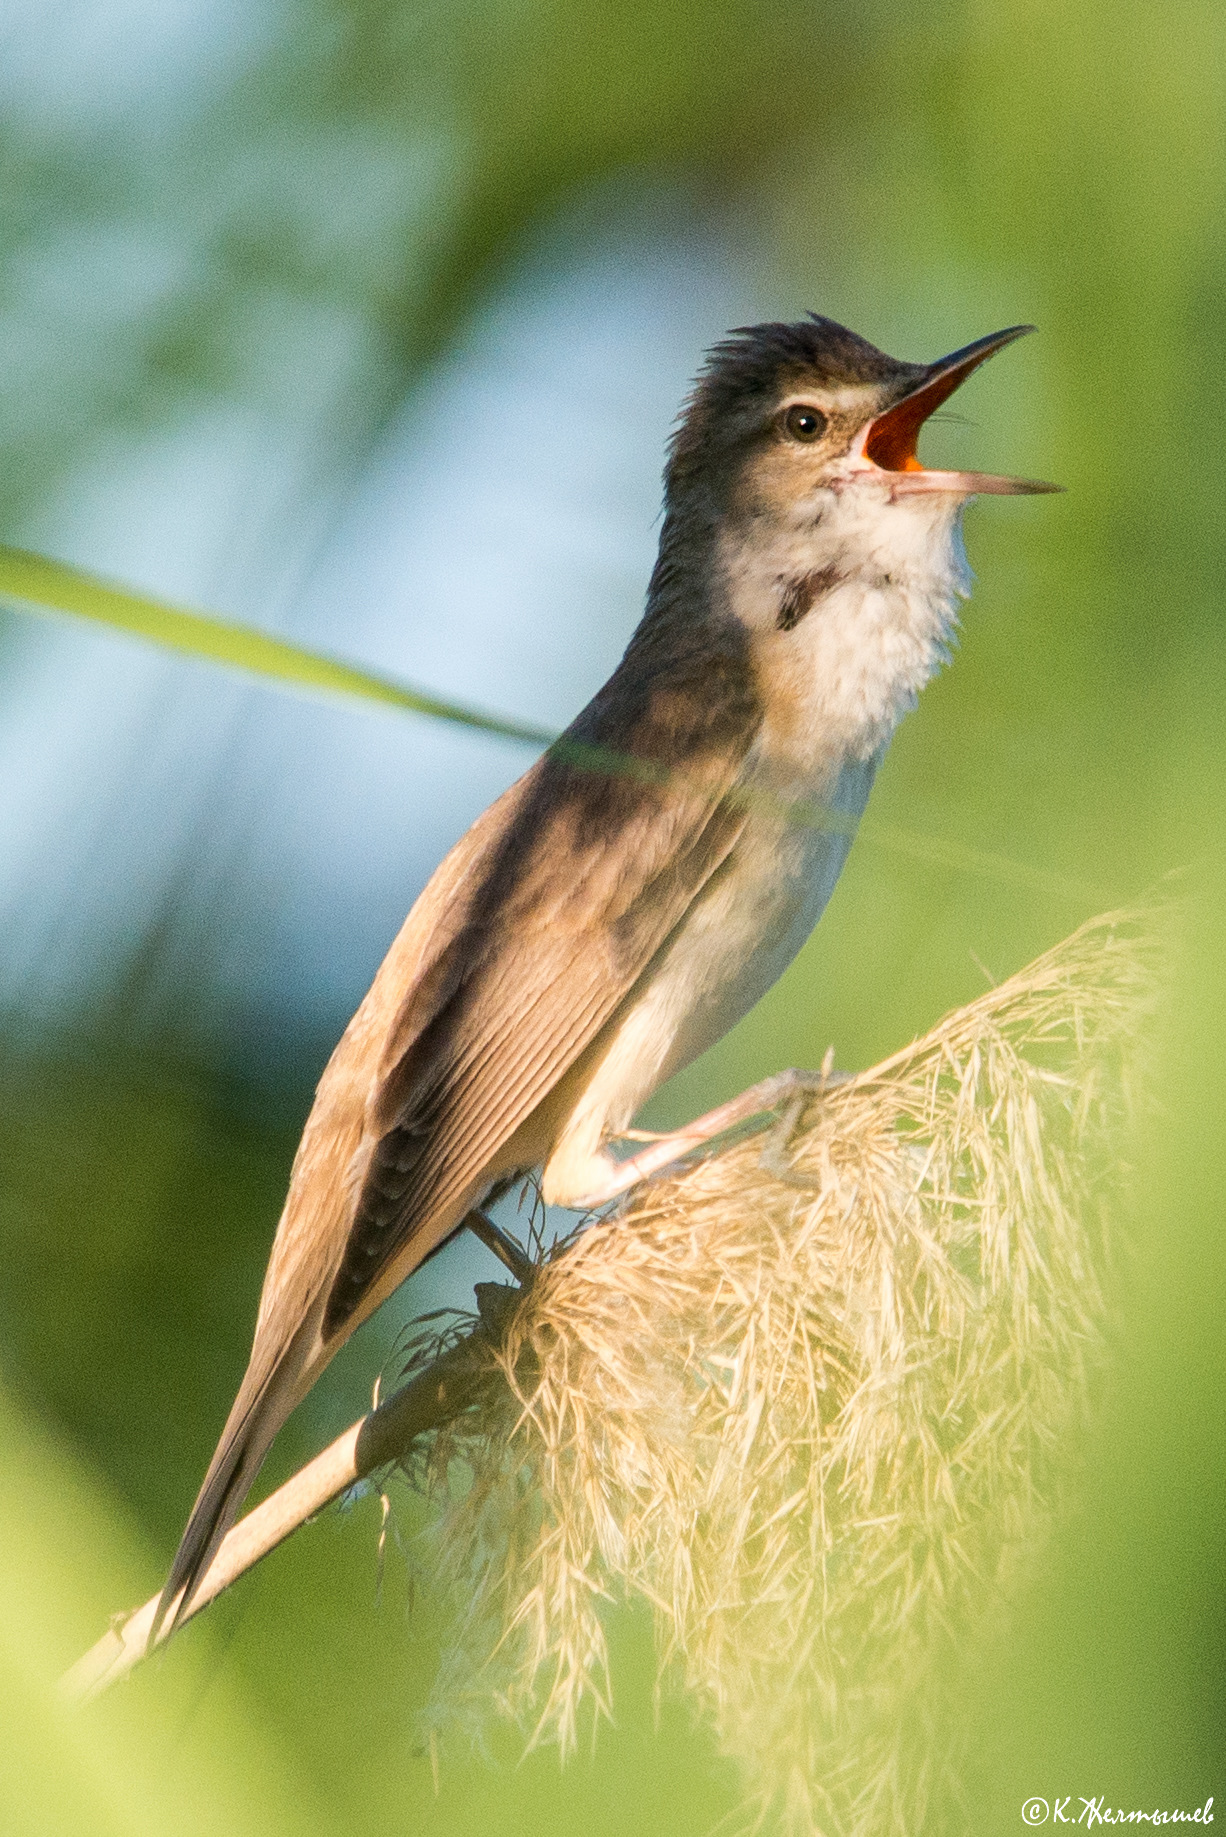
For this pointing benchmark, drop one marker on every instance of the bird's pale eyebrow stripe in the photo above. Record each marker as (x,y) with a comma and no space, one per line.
(798,596)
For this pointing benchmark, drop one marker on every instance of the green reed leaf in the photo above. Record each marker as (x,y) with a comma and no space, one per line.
(34,583)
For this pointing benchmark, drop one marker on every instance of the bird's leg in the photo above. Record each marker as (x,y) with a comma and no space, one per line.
(508,1252)
(791,1088)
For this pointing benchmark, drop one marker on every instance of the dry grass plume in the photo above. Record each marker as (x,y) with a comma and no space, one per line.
(820,1429)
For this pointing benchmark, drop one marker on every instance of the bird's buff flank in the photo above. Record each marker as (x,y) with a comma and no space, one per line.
(600,926)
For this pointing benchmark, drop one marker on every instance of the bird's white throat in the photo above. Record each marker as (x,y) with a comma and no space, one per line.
(875,586)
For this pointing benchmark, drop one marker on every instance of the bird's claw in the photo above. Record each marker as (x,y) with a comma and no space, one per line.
(800,1086)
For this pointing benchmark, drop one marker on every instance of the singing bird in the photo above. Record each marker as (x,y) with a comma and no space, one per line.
(647,880)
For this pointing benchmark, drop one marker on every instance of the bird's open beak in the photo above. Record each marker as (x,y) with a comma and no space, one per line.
(888,443)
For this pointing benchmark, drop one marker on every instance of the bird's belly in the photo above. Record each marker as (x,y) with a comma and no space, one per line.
(737,938)
(741,936)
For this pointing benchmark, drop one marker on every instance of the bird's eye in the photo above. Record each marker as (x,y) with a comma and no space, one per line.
(804,422)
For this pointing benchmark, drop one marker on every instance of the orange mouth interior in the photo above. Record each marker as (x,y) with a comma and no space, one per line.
(894,436)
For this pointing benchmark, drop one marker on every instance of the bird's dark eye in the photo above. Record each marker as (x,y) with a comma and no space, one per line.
(804,422)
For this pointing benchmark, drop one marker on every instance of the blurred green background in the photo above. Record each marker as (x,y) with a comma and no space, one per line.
(366,322)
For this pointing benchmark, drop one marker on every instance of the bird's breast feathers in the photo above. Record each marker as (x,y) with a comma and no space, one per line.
(852,604)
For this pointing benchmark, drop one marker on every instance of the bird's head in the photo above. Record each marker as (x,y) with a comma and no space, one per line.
(785,413)
(803,534)
(802,527)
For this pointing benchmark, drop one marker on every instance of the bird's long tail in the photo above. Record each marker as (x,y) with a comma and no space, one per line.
(266,1397)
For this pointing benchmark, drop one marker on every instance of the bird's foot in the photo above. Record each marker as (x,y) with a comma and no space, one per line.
(806,1085)
(774,1156)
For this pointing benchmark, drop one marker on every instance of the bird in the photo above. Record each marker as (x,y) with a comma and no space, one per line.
(638,889)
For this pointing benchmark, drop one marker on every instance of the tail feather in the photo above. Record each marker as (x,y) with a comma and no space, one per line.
(266,1397)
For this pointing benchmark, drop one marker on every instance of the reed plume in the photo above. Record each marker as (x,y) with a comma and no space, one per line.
(817,1417)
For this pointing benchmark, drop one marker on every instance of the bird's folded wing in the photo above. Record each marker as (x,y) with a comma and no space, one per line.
(568,915)
(592,876)
(530,945)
